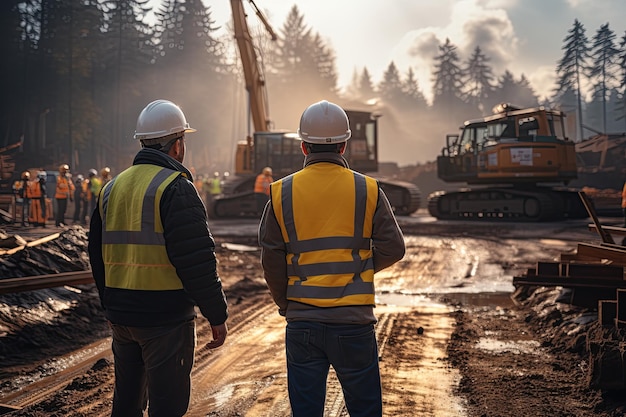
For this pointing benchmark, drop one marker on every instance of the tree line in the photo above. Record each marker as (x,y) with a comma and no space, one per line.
(77,73)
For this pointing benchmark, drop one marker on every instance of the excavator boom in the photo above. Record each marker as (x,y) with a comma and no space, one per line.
(255,81)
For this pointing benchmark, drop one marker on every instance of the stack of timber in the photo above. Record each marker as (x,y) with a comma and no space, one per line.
(593,278)
(594,272)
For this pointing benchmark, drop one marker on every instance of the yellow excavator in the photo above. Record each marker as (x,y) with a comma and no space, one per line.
(519,162)
(281,150)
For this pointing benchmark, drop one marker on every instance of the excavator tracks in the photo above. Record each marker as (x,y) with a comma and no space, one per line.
(404,197)
(506,204)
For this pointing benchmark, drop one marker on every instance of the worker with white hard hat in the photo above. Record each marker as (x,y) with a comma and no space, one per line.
(324,233)
(153,260)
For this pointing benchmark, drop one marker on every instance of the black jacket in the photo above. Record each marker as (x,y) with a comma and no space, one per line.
(190,248)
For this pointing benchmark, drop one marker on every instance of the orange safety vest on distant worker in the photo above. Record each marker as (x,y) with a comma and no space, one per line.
(262,184)
(624,196)
(65,188)
(36,212)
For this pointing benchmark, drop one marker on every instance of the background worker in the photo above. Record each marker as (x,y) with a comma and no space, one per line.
(214,185)
(331,228)
(79,199)
(150,280)
(95,184)
(262,188)
(20,188)
(64,191)
(105,175)
(36,193)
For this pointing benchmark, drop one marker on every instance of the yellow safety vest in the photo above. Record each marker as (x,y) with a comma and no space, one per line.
(133,246)
(325,213)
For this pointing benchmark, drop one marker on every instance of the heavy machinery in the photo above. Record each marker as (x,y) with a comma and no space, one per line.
(519,159)
(281,151)
(601,161)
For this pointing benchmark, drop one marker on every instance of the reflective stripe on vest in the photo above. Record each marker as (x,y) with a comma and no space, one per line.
(133,246)
(329,257)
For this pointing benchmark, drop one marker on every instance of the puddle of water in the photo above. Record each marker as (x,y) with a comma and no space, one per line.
(481,299)
(518,347)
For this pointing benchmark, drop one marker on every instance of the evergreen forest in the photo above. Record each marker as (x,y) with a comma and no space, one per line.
(76,74)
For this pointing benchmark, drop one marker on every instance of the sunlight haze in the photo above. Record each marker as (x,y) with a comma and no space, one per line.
(523,36)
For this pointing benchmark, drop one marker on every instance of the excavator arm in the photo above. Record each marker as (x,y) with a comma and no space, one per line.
(255,81)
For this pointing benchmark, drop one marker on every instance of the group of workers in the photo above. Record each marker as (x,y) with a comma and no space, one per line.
(324,232)
(36,198)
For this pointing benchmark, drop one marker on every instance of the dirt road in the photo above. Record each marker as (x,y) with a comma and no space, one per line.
(452,342)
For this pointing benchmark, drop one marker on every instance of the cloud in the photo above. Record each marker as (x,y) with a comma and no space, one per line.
(472,23)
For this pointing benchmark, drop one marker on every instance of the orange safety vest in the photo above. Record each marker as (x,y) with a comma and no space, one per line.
(64,188)
(624,196)
(262,184)
(36,211)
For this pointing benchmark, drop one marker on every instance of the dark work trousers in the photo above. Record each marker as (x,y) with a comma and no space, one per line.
(352,351)
(61,209)
(153,369)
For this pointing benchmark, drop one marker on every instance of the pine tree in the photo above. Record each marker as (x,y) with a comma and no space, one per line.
(478,81)
(621,106)
(448,77)
(305,69)
(390,88)
(572,67)
(602,74)
(366,86)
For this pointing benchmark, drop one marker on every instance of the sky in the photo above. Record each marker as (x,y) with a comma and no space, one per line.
(522,36)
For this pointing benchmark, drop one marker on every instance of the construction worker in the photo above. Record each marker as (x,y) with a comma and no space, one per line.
(64,191)
(214,186)
(151,278)
(86,204)
(20,188)
(95,185)
(323,235)
(105,175)
(79,199)
(262,188)
(36,193)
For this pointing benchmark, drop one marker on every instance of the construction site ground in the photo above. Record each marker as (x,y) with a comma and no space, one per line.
(453,339)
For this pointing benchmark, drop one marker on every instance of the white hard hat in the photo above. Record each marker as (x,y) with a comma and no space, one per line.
(159,119)
(324,122)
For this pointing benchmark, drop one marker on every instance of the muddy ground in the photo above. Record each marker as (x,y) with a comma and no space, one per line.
(454,338)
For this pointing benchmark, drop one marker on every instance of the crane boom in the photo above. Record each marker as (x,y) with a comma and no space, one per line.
(255,81)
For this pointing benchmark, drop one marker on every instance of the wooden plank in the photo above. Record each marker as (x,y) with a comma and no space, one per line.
(604,235)
(30,244)
(602,252)
(15,285)
(621,304)
(570,282)
(607,312)
(614,230)
(549,268)
(594,270)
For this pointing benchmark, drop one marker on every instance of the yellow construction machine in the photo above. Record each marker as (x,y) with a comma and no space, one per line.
(281,150)
(518,161)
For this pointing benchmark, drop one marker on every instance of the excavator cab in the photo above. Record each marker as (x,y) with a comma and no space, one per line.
(513,146)
(362,149)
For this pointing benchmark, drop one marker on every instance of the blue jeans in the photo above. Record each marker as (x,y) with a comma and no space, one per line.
(153,365)
(351,350)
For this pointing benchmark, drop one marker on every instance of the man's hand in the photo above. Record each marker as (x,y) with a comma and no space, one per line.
(219,336)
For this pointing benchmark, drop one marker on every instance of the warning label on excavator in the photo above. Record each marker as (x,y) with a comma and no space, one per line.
(522,156)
